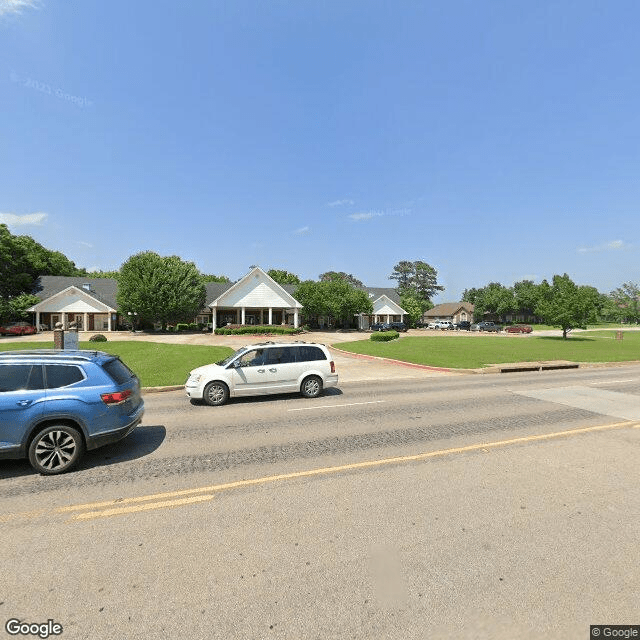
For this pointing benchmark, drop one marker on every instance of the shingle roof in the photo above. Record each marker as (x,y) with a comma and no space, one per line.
(105,289)
(448,309)
(102,289)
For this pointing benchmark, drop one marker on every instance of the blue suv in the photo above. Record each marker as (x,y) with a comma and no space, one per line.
(56,404)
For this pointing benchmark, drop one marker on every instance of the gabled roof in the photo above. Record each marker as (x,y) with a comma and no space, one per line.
(384,305)
(449,309)
(258,289)
(102,289)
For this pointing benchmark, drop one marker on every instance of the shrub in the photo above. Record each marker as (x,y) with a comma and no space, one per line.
(236,329)
(98,337)
(384,336)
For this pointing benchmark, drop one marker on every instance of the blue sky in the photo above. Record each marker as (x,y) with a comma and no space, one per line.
(495,140)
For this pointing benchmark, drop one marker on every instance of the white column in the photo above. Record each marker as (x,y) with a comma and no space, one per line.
(270,315)
(109,321)
(295,318)
(214,318)
(243,315)
(37,319)
(85,322)
(64,320)
(388,316)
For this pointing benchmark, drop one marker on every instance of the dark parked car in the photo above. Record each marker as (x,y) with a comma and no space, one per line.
(398,326)
(17,329)
(388,326)
(486,326)
(54,405)
(519,328)
(464,325)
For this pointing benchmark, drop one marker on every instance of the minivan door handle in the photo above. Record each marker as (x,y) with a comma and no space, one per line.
(273,370)
(24,403)
(260,370)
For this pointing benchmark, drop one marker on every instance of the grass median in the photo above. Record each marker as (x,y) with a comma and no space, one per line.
(474,352)
(156,364)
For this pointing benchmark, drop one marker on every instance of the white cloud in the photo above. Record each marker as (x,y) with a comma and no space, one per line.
(614,245)
(29,219)
(358,217)
(16,6)
(85,244)
(340,203)
(302,231)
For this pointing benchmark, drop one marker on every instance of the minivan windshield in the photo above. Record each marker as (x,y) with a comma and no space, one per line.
(228,359)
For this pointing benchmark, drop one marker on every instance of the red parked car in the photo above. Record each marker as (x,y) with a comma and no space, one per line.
(17,329)
(518,328)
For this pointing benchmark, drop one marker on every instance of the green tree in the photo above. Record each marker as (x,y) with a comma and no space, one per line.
(334,298)
(414,306)
(341,275)
(104,274)
(526,295)
(417,277)
(567,305)
(160,289)
(214,278)
(283,277)
(494,298)
(627,300)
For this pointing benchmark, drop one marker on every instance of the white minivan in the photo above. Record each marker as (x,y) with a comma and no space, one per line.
(265,368)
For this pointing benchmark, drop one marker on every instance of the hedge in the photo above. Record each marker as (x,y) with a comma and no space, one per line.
(250,329)
(384,336)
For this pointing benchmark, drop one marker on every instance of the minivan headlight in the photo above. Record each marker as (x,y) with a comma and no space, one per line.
(194,377)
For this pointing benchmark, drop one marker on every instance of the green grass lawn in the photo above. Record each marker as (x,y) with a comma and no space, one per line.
(156,364)
(460,352)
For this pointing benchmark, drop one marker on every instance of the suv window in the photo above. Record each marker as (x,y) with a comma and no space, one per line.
(118,371)
(62,375)
(20,376)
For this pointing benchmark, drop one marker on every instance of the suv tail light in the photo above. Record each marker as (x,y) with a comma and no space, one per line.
(333,366)
(116,398)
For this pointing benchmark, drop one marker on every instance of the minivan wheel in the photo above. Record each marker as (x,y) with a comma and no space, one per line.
(215,393)
(56,449)
(311,387)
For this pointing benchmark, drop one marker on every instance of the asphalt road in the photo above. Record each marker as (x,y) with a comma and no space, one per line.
(450,507)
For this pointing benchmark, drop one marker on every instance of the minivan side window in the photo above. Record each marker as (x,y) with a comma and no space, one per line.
(280,355)
(60,375)
(309,354)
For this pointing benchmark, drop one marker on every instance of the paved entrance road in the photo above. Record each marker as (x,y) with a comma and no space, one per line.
(286,518)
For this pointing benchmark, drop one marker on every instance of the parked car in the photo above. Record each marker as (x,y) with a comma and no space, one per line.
(432,325)
(265,368)
(444,325)
(486,326)
(398,326)
(463,325)
(54,405)
(518,328)
(380,326)
(17,329)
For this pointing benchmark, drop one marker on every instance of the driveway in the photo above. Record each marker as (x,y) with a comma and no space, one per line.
(350,367)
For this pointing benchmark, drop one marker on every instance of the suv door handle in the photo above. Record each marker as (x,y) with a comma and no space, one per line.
(273,370)
(24,403)
(260,370)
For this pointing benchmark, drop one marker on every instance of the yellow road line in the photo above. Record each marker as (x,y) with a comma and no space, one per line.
(188,496)
(89,515)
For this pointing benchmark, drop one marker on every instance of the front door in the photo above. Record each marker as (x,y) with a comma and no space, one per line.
(250,375)
(22,399)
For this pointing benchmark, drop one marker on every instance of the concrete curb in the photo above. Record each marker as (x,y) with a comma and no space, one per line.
(175,387)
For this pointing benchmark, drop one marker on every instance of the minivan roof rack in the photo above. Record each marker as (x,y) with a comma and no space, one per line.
(80,354)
